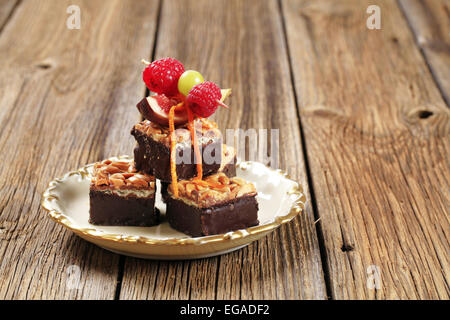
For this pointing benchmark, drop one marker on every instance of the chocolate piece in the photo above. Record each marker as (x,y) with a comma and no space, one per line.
(214,205)
(235,214)
(110,209)
(121,196)
(152,155)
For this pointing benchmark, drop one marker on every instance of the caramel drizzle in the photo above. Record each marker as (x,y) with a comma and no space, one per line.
(173,144)
(198,156)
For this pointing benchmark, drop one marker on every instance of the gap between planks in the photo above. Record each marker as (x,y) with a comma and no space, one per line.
(8,16)
(122,258)
(429,64)
(319,231)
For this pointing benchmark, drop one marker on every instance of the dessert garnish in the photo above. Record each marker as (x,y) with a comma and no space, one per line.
(173,144)
(197,154)
(181,96)
(189,79)
(161,76)
(156,108)
(204,98)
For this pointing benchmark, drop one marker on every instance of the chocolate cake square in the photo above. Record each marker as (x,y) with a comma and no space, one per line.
(214,205)
(152,154)
(121,196)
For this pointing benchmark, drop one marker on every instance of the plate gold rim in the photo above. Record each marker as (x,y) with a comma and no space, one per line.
(56,215)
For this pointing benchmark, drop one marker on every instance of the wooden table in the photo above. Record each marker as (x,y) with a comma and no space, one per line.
(364,126)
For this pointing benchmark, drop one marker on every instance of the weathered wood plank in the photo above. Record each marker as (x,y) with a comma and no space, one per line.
(377,140)
(7,8)
(238,44)
(430,22)
(65,100)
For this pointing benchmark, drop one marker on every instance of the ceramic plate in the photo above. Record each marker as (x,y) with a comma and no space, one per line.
(67,202)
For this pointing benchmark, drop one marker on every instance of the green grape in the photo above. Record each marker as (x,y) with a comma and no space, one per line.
(189,79)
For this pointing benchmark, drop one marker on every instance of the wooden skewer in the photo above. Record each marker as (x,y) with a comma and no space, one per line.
(222,104)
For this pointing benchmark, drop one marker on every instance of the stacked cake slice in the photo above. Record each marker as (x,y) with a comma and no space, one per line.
(152,154)
(178,145)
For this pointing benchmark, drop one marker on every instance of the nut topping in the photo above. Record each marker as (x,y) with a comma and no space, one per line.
(189,188)
(120,174)
(206,128)
(213,190)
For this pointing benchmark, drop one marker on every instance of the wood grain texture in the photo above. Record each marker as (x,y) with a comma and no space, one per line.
(7,8)
(65,100)
(377,140)
(240,44)
(430,22)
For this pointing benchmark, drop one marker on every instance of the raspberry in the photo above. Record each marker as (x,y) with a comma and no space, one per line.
(202,98)
(162,75)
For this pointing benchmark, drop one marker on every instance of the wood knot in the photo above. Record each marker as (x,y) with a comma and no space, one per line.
(321,111)
(44,65)
(419,114)
(347,248)
(424,114)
